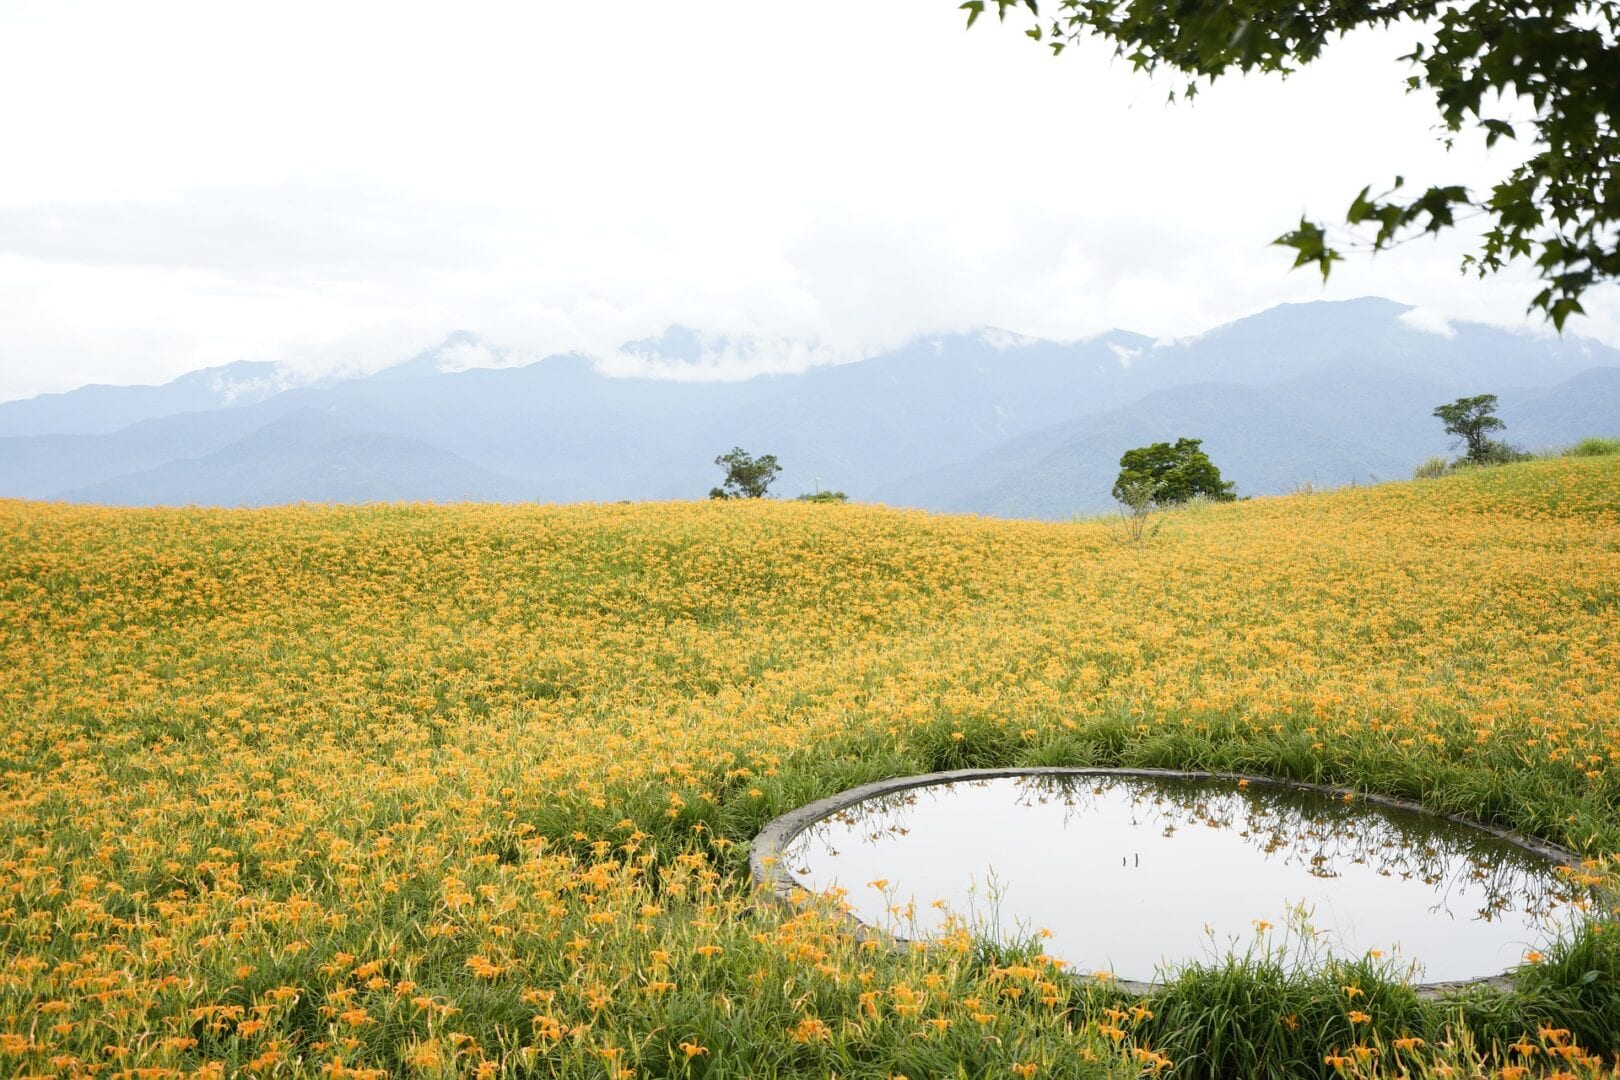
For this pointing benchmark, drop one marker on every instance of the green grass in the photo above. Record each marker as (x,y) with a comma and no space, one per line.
(1594,447)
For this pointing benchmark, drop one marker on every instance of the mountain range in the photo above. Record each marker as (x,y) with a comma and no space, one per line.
(1325,394)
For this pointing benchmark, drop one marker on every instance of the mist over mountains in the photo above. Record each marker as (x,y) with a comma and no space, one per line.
(1322,393)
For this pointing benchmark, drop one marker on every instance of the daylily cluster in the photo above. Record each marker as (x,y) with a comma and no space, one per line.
(465,789)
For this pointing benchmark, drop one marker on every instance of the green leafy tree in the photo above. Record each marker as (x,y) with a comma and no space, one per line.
(1162,474)
(1556,61)
(1472,419)
(747,477)
(822,497)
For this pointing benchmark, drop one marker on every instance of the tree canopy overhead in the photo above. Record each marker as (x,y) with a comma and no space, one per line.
(1559,209)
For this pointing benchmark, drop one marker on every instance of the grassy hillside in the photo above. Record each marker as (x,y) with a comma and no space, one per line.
(433,790)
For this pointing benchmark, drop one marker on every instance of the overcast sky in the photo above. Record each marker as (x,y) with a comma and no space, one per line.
(339,185)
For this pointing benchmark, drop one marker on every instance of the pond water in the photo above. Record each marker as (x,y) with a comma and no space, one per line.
(1134,874)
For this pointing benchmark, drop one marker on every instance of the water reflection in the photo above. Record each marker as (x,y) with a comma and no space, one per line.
(1136,873)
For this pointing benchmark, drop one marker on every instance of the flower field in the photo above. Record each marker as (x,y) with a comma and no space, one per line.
(466,790)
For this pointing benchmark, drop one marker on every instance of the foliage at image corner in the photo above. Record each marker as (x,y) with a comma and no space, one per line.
(1559,209)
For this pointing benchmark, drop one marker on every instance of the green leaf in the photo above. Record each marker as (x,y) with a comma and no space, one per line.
(1310,243)
(1496,129)
(1362,208)
(1563,308)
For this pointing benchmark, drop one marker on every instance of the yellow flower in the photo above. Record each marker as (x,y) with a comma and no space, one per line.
(276,734)
(809,1029)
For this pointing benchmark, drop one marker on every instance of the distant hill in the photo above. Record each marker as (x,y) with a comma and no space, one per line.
(98,409)
(1326,431)
(307,456)
(1588,404)
(989,422)
(1354,335)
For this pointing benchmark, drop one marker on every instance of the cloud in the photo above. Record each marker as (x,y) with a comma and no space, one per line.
(561,178)
(723,360)
(346,278)
(1429,321)
(466,354)
(1002,340)
(229,389)
(1125,356)
(306,231)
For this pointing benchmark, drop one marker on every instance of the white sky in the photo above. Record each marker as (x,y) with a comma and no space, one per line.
(339,185)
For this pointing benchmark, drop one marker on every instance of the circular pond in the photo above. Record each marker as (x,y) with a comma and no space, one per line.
(1135,873)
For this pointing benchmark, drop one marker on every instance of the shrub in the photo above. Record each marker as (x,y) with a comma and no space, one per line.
(1135,495)
(1431,468)
(1594,447)
(1497,452)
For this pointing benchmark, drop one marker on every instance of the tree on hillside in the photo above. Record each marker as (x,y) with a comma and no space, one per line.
(1162,475)
(1544,70)
(1472,419)
(747,477)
